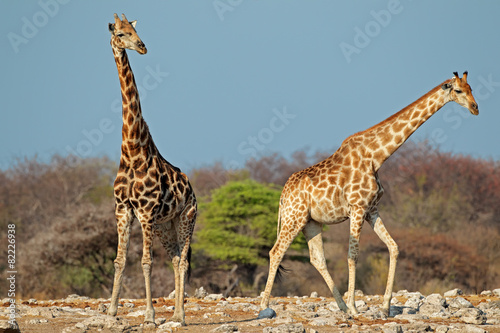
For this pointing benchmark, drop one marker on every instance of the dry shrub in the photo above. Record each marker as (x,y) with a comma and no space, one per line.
(424,257)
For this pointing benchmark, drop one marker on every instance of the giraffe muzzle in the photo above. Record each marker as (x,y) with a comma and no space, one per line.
(141,48)
(474,109)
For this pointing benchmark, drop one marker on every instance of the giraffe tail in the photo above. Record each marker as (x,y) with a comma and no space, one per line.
(281,272)
(278,229)
(281,269)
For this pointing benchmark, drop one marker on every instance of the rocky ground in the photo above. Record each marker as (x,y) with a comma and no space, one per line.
(410,312)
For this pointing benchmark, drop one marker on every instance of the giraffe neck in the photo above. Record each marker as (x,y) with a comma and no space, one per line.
(135,134)
(382,140)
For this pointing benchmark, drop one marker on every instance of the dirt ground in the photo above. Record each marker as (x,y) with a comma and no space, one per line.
(201,315)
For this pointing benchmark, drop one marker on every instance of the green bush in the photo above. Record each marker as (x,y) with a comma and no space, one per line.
(239,223)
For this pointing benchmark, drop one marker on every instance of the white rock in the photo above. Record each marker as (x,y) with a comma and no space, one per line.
(459,303)
(435,299)
(81,326)
(472,329)
(322,321)
(414,302)
(200,293)
(286,328)
(103,321)
(137,313)
(414,294)
(361,305)
(392,328)
(453,292)
(412,317)
(471,316)
(226,328)
(160,321)
(8,325)
(214,297)
(333,306)
(169,324)
(374,313)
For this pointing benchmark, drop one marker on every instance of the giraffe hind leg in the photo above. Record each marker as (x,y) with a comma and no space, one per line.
(184,230)
(312,232)
(168,237)
(175,236)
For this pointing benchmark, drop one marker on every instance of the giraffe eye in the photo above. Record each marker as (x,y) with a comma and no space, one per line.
(458,91)
(119,35)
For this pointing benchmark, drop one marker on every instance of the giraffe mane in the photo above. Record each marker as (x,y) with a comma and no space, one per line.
(397,114)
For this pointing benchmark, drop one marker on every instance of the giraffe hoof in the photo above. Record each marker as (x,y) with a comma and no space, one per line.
(385,311)
(267,314)
(352,311)
(149,324)
(111,312)
(177,320)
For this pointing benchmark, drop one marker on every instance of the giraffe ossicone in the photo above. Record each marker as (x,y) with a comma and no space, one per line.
(147,186)
(346,186)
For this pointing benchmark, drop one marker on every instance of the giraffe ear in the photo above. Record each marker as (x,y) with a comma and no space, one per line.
(446,86)
(133,23)
(111,27)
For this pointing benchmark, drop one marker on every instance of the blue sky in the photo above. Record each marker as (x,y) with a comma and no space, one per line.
(224,80)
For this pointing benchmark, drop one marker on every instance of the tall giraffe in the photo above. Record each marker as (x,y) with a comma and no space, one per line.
(346,185)
(147,187)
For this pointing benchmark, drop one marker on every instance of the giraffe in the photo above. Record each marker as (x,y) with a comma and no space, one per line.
(147,187)
(346,185)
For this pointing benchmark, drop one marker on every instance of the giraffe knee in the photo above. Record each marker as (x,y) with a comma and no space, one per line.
(317,262)
(147,261)
(394,250)
(352,258)
(119,263)
(175,261)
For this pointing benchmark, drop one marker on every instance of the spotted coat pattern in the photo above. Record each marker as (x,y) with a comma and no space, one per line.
(147,186)
(346,186)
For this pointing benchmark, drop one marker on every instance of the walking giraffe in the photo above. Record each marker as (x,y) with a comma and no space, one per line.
(147,187)
(346,185)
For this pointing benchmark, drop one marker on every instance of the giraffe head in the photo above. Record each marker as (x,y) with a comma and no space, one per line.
(124,36)
(459,91)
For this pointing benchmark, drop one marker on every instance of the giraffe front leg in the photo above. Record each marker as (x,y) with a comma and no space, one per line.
(123,223)
(383,234)
(147,262)
(357,218)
